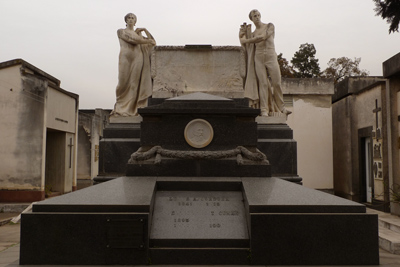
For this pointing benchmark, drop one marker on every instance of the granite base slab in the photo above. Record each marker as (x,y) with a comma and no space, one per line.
(314,239)
(202,256)
(84,238)
(287,224)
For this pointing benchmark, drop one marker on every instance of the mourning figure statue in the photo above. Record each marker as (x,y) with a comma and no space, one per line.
(134,75)
(263,75)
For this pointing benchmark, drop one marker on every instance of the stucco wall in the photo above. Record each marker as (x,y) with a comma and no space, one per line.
(342,142)
(22,102)
(350,115)
(312,129)
(59,161)
(84,152)
(364,105)
(60,111)
(91,124)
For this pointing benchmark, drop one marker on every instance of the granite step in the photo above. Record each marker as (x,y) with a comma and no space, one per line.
(390,222)
(13,207)
(5,218)
(389,240)
(389,231)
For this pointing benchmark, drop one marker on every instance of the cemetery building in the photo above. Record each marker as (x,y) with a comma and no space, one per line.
(391,71)
(365,137)
(91,123)
(38,151)
(360,139)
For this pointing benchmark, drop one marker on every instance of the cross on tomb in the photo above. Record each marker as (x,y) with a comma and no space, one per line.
(376,111)
(70,152)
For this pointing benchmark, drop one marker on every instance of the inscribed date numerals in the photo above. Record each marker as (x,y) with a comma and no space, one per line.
(182,203)
(204,199)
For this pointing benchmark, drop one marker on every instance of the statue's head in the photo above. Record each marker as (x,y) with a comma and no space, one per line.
(127,15)
(252,13)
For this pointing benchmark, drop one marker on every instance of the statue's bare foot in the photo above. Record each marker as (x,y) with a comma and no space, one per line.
(287,112)
(264,113)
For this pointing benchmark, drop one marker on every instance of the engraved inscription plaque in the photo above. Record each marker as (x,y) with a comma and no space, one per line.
(199,215)
(199,133)
(125,233)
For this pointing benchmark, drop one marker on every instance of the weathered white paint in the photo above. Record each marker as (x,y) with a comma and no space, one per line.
(29,103)
(311,122)
(178,71)
(353,113)
(91,124)
(60,111)
(21,135)
(10,89)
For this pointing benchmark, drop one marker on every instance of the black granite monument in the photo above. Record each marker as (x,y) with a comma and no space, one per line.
(199,191)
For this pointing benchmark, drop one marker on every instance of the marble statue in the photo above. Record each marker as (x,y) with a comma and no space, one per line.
(134,75)
(263,75)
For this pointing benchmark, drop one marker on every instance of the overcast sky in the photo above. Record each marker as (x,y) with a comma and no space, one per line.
(76,41)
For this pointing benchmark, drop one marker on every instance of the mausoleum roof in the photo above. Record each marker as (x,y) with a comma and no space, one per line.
(26,65)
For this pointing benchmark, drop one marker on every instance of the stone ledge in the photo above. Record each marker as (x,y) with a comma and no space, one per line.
(122,119)
(391,66)
(389,240)
(271,120)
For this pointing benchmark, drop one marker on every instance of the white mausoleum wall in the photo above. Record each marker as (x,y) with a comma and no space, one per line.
(311,122)
(364,105)
(312,129)
(21,136)
(60,111)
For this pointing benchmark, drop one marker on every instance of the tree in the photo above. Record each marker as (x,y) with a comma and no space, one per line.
(389,10)
(286,70)
(339,68)
(305,63)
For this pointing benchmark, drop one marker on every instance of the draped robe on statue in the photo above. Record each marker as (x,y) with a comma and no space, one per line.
(257,86)
(134,74)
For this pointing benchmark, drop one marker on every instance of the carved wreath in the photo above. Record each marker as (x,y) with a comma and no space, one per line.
(158,152)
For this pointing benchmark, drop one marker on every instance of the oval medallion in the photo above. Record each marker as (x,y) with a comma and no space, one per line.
(199,133)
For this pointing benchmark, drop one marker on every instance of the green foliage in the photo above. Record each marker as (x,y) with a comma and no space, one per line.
(47,190)
(286,70)
(305,63)
(395,193)
(339,68)
(389,10)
